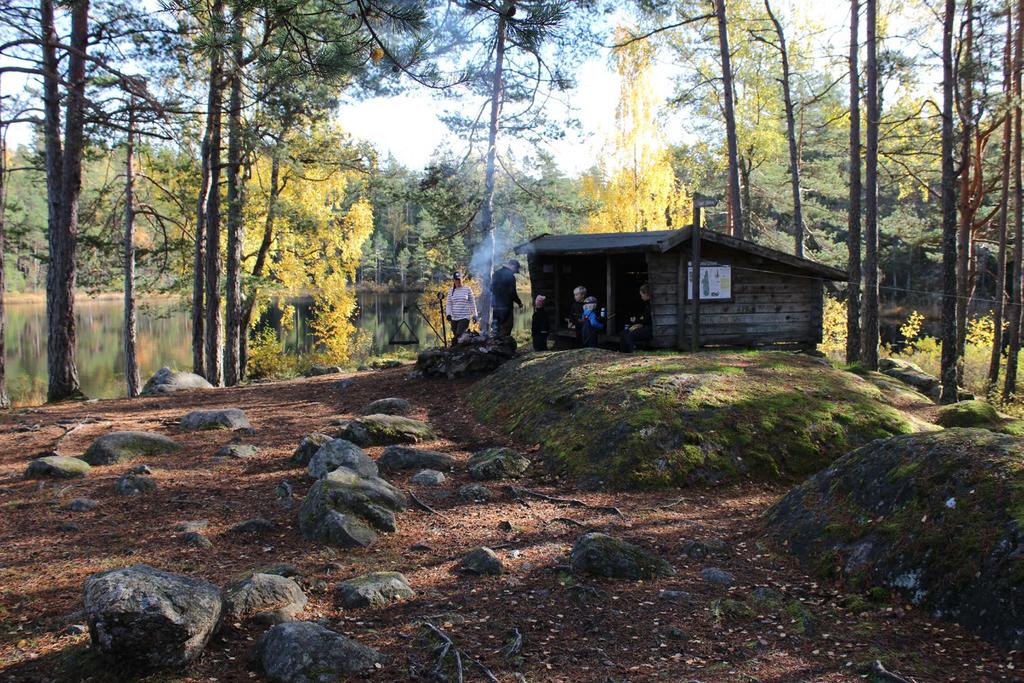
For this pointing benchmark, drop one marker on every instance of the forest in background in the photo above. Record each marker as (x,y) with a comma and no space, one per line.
(197,150)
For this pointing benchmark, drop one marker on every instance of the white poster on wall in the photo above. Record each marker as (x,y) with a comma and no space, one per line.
(715,281)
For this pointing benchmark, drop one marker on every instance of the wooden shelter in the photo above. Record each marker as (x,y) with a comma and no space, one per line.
(750,295)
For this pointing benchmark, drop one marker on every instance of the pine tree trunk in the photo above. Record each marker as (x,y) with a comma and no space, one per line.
(5,401)
(853,332)
(232,351)
(1013,310)
(131,363)
(737,210)
(794,156)
(963,252)
(1004,197)
(869,352)
(199,254)
(60,279)
(214,367)
(487,210)
(949,224)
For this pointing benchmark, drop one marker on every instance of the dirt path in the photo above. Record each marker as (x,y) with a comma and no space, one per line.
(775,624)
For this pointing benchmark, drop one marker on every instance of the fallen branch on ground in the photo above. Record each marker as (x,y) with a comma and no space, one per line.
(881,672)
(518,492)
(423,506)
(567,520)
(69,429)
(513,647)
(667,506)
(446,648)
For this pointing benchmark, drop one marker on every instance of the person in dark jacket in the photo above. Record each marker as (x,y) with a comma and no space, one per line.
(576,313)
(590,322)
(541,326)
(503,295)
(639,328)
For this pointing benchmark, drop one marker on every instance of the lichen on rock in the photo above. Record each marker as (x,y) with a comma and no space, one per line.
(936,517)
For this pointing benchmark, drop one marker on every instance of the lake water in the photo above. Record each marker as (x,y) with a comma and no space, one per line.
(165,337)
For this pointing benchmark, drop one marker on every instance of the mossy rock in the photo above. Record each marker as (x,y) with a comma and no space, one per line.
(497,463)
(376,589)
(57,467)
(664,419)
(118,447)
(968,414)
(597,554)
(385,430)
(937,518)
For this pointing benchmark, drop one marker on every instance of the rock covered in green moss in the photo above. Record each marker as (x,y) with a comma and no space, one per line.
(118,447)
(376,589)
(221,418)
(308,447)
(385,430)
(968,414)
(406,458)
(497,463)
(277,597)
(602,555)
(677,419)
(936,517)
(346,509)
(57,467)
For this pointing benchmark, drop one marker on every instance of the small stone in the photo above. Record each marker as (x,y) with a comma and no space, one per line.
(387,406)
(420,548)
(308,447)
(505,525)
(82,504)
(342,384)
(280,569)
(194,538)
(376,589)
(717,576)
(192,525)
(57,467)
(497,463)
(481,561)
(237,451)
(133,484)
(141,469)
(256,526)
(223,418)
(68,527)
(476,493)
(428,478)
(341,453)
(672,595)
(319,370)
(74,630)
(284,494)
(118,447)
(407,458)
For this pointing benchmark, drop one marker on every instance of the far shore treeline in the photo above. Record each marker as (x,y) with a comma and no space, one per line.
(195,150)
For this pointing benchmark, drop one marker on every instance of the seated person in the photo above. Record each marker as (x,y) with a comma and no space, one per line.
(639,327)
(590,323)
(576,313)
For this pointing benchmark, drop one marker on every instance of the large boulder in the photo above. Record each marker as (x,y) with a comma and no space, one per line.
(118,447)
(308,447)
(975,413)
(346,509)
(935,517)
(646,420)
(387,406)
(167,381)
(278,597)
(385,430)
(909,373)
(472,354)
(222,418)
(57,467)
(406,458)
(497,463)
(341,453)
(376,589)
(304,652)
(601,555)
(150,618)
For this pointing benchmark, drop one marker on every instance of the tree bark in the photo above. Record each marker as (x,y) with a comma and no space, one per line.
(1014,308)
(737,210)
(232,350)
(853,332)
(1004,198)
(794,155)
(487,210)
(949,223)
(963,251)
(60,277)
(5,401)
(131,363)
(214,367)
(199,255)
(869,352)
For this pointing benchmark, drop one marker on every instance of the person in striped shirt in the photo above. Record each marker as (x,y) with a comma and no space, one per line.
(460,307)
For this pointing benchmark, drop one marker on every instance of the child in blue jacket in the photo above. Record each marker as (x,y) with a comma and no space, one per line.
(591,322)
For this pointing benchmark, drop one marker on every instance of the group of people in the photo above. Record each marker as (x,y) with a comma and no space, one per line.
(586,318)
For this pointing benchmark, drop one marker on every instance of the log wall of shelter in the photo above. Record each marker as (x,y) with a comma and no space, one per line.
(771,303)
